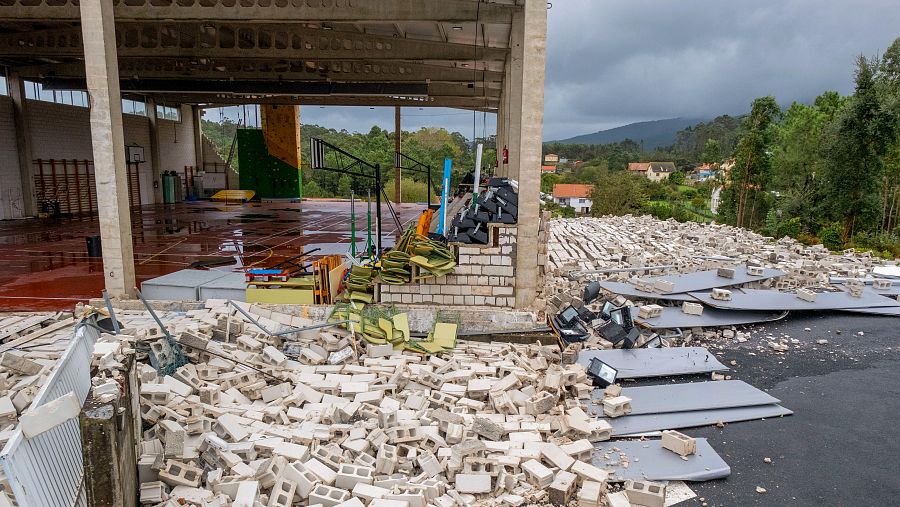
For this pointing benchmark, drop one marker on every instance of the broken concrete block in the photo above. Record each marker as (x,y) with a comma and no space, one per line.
(328,496)
(689,308)
(590,494)
(725,272)
(177,473)
(755,270)
(679,443)
(246,495)
(348,476)
(19,364)
(487,428)
(49,415)
(540,403)
(646,493)
(882,284)
(473,483)
(282,494)
(663,286)
(562,487)
(153,492)
(649,311)
(305,480)
(552,454)
(537,474)
(806,295)
(617,406)
(643,284)
(618,499)
(612,391)
(721,294)
(589,472)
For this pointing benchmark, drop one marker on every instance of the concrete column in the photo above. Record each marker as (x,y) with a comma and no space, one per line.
(108,143)
(196,115)
(530,116)
(23,142)
(516,76)
(397,133)
(155,160)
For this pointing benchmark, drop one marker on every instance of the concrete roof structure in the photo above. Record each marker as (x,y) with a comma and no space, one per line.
(483,55)
(449,53)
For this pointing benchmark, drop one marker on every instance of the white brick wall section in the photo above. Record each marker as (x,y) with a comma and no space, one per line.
(60,131)
(11,188)
(176,141)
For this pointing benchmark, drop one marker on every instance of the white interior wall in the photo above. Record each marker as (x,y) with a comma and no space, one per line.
(10,184)
(60,131)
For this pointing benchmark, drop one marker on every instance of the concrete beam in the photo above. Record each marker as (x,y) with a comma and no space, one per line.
(226,40)
(22,121)
(531,115)
(108,144)
(381,11)
(221,100)
(276,69)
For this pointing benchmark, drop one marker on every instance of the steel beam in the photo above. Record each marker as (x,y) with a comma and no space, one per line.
(336,11)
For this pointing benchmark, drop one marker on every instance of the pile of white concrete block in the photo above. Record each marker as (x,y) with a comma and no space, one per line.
(31,346)
(612,242)
(322,419)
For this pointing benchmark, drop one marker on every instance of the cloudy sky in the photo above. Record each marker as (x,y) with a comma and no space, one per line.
(614,62)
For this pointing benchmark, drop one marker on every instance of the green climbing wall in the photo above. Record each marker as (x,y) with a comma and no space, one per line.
(261,172)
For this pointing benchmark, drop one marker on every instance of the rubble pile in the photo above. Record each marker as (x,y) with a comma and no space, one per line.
(32,346)
(319,418)
(619,242)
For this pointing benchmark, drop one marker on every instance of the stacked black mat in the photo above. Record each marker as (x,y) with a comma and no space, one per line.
(497,204)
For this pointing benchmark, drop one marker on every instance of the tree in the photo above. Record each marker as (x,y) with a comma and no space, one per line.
(548,180)
(677,178)
(751,170)
(617,193)
(797,162)
(711,153)
(861,135)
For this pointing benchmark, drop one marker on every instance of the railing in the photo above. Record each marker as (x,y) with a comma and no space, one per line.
(47,469)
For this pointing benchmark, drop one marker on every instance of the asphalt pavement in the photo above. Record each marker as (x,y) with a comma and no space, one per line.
(842,445)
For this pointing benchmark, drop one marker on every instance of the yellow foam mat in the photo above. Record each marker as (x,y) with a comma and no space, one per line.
(233,195)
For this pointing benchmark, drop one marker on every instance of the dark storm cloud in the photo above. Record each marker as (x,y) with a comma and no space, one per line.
(613,62)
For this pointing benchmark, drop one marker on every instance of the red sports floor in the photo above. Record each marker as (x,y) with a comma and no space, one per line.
(44,263)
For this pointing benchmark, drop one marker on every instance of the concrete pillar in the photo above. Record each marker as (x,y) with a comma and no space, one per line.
(110,432)
(516,76)
(23,142)
(397,133)
(530,117)
(108,143)
(196,115)
(155,160)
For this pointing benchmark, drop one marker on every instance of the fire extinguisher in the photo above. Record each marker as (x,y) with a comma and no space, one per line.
(505,155)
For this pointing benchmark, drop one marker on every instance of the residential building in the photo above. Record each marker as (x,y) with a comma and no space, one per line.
(574,195)
(551,158)
(548,169)
(654,171)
